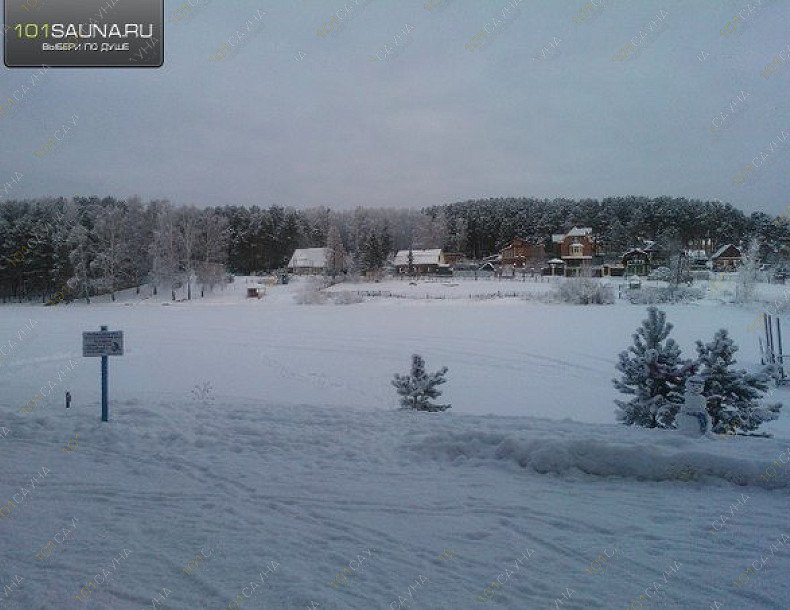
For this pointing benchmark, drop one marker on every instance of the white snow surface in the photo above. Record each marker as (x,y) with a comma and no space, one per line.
(297,456)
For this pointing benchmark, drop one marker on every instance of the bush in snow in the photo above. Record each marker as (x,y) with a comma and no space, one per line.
(419,388)
(663,274)
(733,395)
(584,291)
(656,295)
(653,374)
(311,293)
(311,297)
(346,297)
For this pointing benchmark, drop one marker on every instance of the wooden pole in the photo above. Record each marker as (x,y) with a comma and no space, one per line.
(781,354)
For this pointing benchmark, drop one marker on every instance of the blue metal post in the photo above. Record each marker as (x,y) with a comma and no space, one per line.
(104,413)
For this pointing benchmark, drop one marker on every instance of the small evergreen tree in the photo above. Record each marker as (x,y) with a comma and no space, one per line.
(419,388)
(653,373)
(733,395)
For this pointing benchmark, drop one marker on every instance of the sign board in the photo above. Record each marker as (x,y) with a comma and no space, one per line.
(102,343)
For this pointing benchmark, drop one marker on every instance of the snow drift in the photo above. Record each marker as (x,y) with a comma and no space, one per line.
(665,460)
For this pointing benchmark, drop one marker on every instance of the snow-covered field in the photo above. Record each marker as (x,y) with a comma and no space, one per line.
(260,430)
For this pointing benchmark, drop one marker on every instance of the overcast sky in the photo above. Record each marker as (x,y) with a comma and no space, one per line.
(436,122)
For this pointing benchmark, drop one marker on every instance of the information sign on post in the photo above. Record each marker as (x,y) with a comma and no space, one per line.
(103,344)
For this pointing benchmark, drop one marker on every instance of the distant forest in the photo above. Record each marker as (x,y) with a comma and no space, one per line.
(85,246)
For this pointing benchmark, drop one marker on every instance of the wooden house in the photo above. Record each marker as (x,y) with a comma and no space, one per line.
(308,261)
(726,258)
(636,262)
(422,261)
(521,253)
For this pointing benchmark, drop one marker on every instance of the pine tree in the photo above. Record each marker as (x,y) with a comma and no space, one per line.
(371,256)
(419,388)
(653,373)
(733,395)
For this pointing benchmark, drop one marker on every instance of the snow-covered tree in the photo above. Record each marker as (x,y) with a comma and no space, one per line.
(653,373)
(371,253)
(419,388)
(188,235)
(431,230)
(733,394)
(112,261)
(747,273)
(212,249)
(139,229)
(336,253)
(165,250)
(79,243)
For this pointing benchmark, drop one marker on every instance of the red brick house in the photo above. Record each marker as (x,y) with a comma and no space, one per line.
(576,248)
(520,252)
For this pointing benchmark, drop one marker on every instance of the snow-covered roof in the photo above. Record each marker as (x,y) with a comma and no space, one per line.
(556,261)
(309,257)
(419,257)
(635,251)
(574,232)
(723,249)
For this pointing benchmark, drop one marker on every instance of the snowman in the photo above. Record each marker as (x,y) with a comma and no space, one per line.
(692,419)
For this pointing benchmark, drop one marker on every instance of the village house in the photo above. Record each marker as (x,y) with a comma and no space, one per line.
(452,258)
(576,248)
(726,258)
(308,261)
(422,261)
(521,253)
(636,262)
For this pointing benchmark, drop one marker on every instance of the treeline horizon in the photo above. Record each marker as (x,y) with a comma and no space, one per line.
(82,246)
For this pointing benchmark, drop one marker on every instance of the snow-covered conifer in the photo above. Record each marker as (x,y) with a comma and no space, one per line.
(733,394)
(419,388)
(653,373)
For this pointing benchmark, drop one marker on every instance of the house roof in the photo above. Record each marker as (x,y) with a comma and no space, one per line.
(419,257)
(309,257)
(634,251)
(574,232)
(723,249)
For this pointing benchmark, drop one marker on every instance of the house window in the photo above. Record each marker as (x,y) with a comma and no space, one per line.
(577,249)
